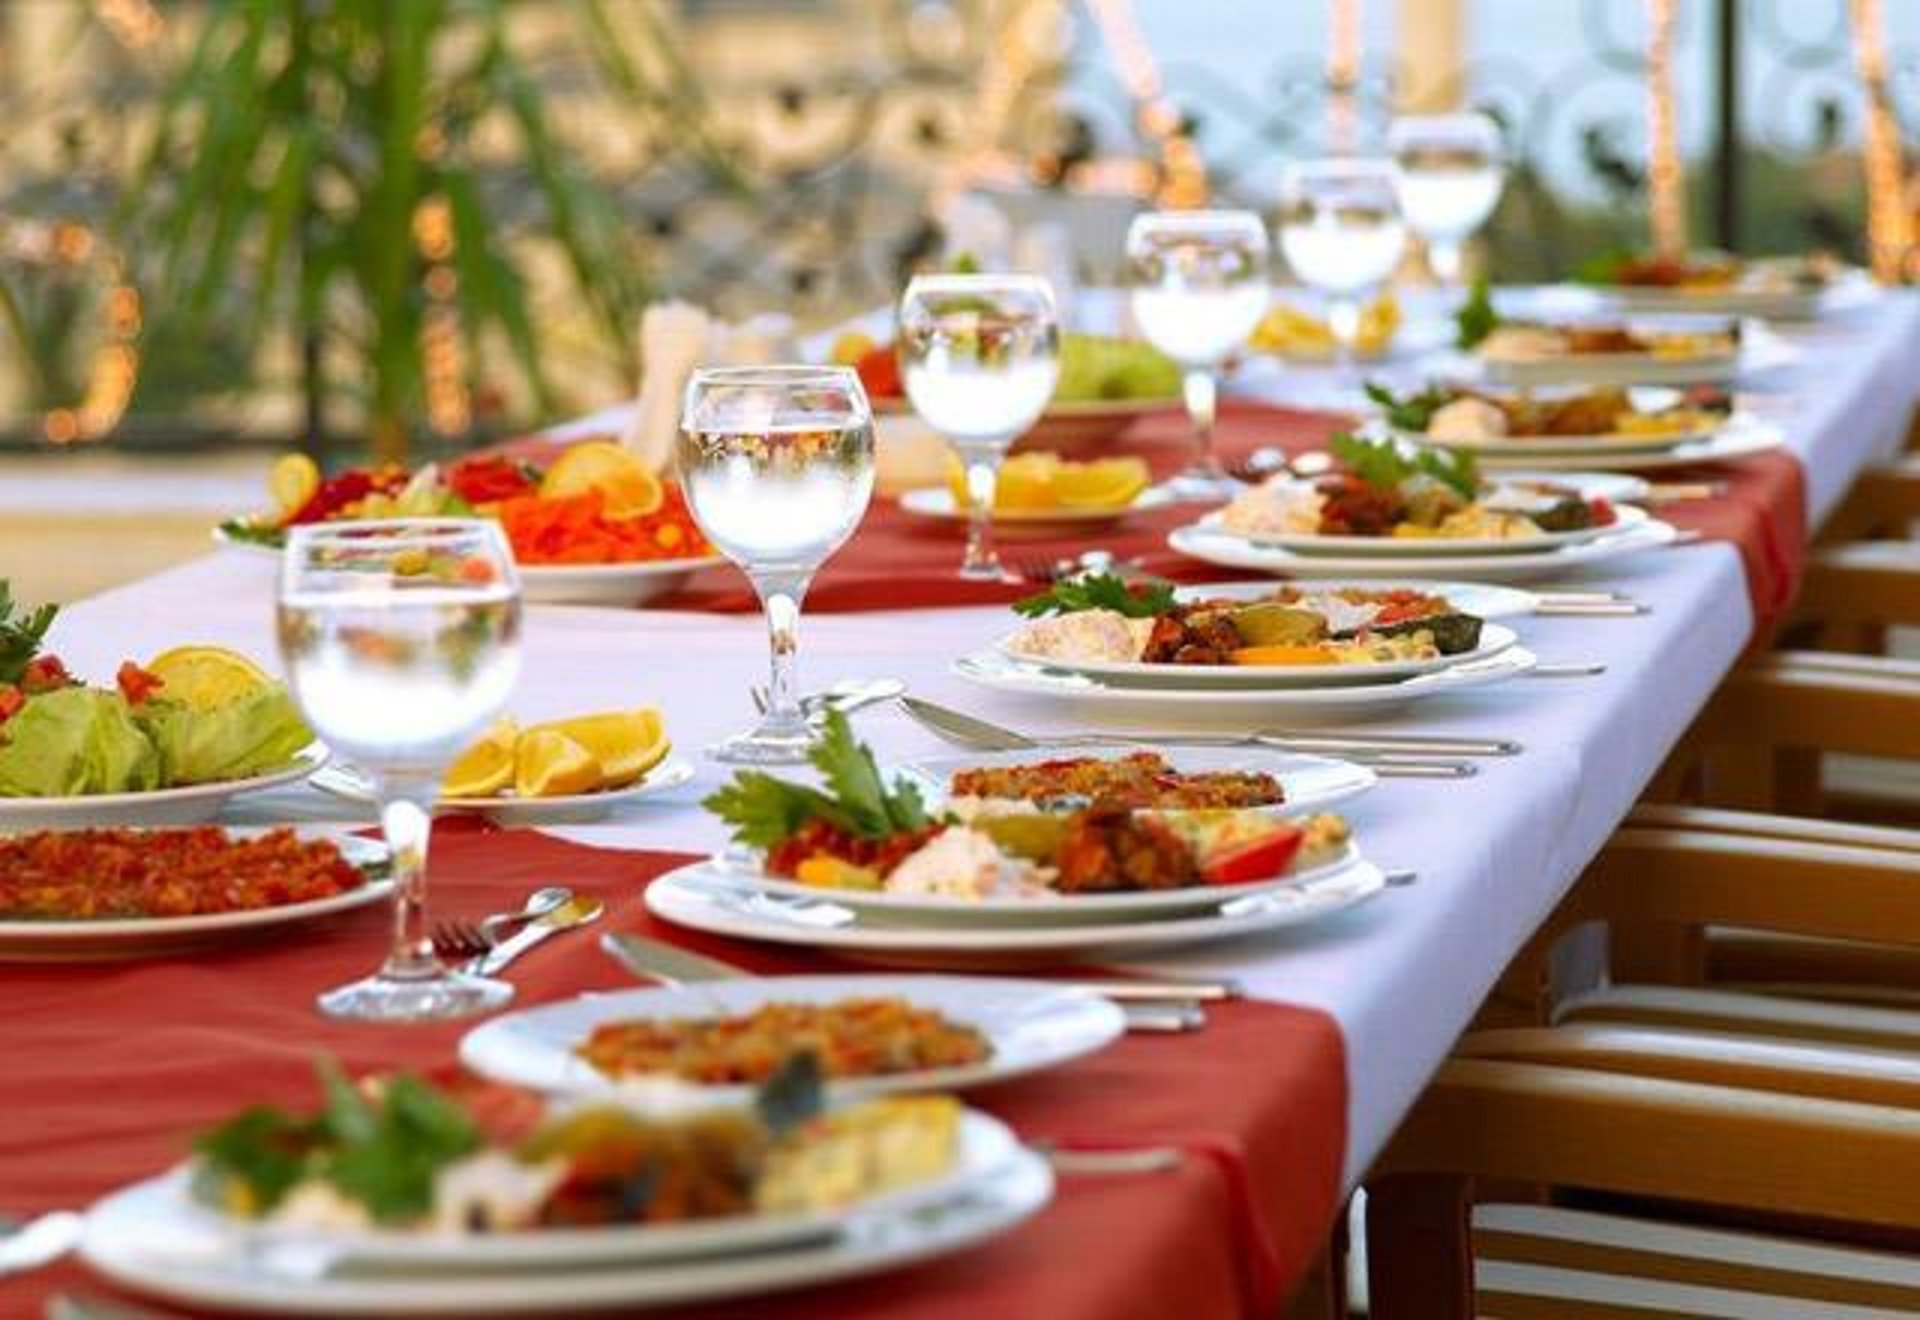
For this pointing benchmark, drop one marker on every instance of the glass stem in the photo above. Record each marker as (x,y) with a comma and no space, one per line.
(406,817)
(1343,318)
(780,597)
(1448,260)
(1201,393)
(982,561)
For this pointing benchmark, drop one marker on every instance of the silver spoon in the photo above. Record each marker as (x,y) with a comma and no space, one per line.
(539,903)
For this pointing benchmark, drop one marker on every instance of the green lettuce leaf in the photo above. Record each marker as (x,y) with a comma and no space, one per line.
(248,736)
(72,741)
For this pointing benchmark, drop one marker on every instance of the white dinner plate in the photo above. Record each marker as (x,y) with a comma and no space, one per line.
(148,1237)
(1318,545)
(990,669)
(346,782)
(1599,447)
(1310,783)
(703,897)
(1612,369)
(569,584)
(140,937)
(1204,540)
(1851,288)
(1494,639)
(1029,1026)
(189,804)
(1481,599)
(937,502)
(1730,444)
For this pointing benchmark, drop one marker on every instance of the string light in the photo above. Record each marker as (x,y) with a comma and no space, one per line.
(1890,222)
(1666,177)
(1018,48)
(1343,76)
(1184,182)
(114,370)
(442,357)
(135,24)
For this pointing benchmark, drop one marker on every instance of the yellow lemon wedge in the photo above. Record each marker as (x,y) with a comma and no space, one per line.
(486,768)
(631,491)
(549,764)
(1109,483)
(1026,482)
(625,743)
(850,347)
(291,482)
(206,677)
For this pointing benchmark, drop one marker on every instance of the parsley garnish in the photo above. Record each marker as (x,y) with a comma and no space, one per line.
(246,531)
(1414,411)
(20,638)
(1476,318)
(764,810)
(1383,464)
(1099,591)
(1602,268)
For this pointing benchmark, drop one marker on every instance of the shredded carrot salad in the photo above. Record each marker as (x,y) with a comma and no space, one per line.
(100,874)
(575,529)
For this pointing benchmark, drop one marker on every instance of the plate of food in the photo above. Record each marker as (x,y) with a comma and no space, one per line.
(94,894)
(590,1205)
(714,1042)
(1106,384)
(1671,351)
(169,743)
(1355,602)
(1130,634)
(1778,288)
(1044,493)
(869,846)
(1170,779)
(1742,437)
(1600,421)
(554,772)
(595,527)
(1391,500)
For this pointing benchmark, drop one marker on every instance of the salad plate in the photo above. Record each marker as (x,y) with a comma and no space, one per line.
(100,939)
(150,1237)
(1564,446)
(1028,1025)
(1494,638)
(187,804)
(1317,544)
(1482,599)
(711,898)
(1206,540)
(1310,783)
(349,784)
(1845,290)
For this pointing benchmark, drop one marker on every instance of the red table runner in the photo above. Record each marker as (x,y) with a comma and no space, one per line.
(900,561)
(111,1067)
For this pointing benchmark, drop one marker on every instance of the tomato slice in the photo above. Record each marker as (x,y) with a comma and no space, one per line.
(1263,859)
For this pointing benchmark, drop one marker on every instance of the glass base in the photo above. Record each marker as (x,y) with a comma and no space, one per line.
(1204,483)
(765,747)
(427,999)
(991,571)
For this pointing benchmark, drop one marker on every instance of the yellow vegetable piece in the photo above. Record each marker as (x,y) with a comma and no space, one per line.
(1282,655)
(829,872)
(625,743)
(1110,483)
(291,482)
(1047,481)
(206,677)
(549,764)
(850,347)
(486,768)
(631,491)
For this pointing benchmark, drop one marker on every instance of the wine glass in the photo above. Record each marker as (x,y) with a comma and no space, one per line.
(1199,287)
(401,640)
(979,355)
(777,466)
(1450,180)
(1342,233)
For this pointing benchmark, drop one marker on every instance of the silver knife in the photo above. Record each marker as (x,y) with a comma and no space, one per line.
(656,960)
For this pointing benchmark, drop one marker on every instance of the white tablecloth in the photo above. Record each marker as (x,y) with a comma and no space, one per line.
(1401,975)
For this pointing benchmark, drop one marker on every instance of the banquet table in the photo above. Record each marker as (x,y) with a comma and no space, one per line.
(1398,978)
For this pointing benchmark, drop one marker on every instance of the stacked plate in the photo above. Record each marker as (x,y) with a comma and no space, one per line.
(1739,436)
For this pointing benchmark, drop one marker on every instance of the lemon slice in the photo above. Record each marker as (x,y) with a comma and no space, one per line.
(486,768)
(291,482)
(549,764)
(631,491)
(206,677)
(1110,483)
(626,743)
(1025,482)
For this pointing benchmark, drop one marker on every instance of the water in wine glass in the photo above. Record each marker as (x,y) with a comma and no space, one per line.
(1343,251)
(968,401)
(778,499)
(1199,325)
(1447,200)
(400,681)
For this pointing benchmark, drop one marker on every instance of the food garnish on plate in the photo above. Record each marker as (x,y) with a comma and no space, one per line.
(1384,490)
(399,1154)
(1093,369)
(1136,781)
(595,504)
(1105,619)
(1458,413)
(861,832)
(583,754)
(191,715)
(862,1037)
(1495,338)
(1038,480)
(108,874)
